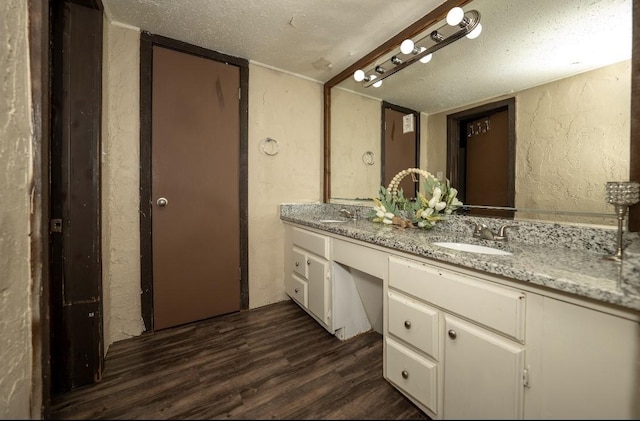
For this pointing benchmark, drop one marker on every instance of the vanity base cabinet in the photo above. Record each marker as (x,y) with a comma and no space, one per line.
(308,273)
(456,365)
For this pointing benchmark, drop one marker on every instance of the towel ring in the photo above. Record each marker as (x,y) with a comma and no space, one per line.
(270,146)
(368,158)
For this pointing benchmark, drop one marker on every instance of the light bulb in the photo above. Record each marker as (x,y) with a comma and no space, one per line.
(377,84)
(455,15)
(358,75)
(406,47)
(475,33)
(427,58)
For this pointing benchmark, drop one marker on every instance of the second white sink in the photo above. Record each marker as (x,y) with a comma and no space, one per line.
(473,248)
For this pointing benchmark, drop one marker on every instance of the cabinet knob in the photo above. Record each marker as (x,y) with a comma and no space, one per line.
(308,262)
(407,324)
(297,264)
(405,374)
(452,334)
(296,290)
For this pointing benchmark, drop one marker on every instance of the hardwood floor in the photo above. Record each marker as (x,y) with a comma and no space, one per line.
(273,362)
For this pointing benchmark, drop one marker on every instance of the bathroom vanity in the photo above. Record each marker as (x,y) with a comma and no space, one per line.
(549,330)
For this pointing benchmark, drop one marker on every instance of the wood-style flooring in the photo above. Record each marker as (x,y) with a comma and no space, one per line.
(273,362)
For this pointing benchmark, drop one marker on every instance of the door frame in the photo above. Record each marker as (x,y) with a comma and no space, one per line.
(147,41)
(40,73)
(454,128)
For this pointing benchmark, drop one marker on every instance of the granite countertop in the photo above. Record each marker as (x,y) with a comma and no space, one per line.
(562,258)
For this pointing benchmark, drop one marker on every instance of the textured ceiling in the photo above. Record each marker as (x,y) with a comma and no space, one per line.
(312,38)
(523,43)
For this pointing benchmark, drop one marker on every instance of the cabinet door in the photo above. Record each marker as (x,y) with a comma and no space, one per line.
(590,365)
(483,373)
(319,292)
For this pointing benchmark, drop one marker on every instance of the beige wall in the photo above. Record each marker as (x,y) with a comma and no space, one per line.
(573,137)
(288,109)
(355,129)
(120,184)
(15,180)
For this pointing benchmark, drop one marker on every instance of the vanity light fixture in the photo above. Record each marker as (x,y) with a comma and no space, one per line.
(360,76)
(458,24)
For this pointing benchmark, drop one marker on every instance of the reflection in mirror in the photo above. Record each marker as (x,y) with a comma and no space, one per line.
(567,67)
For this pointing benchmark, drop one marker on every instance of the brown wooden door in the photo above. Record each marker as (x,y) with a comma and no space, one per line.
(195,168)
(487,179)
(400,146)
(481,144)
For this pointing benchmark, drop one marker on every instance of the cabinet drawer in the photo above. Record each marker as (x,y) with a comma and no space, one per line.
(299,262)
(495,306)
(414,323)
(297,289)
(310,241)
(412,373)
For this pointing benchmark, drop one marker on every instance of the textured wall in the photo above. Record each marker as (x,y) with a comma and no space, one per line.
(355,129)
(573,137)
(120,184)
(15,178)
(288,109)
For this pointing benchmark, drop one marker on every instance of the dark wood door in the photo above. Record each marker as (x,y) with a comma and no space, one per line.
(400,146)
(194,187)
(481,144)
(76,343)
(488,164)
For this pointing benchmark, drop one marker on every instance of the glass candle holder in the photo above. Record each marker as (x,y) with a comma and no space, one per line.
(621,194)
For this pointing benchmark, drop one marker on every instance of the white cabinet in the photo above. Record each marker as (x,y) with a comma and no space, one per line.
(454,344)
(308,273)
(588,363)
(335,281)
(483,373)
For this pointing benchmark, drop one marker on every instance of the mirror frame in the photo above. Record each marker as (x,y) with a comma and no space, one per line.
(438,14)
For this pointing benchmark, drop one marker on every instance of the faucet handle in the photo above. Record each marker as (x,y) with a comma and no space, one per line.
(503,228)
(475,225)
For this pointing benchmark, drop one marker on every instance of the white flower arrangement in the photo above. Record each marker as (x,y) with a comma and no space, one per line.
(392,208)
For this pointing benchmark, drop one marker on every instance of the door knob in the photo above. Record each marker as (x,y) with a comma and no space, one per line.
(162,202)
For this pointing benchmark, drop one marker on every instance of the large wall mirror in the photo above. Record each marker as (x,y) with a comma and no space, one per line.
(567,67)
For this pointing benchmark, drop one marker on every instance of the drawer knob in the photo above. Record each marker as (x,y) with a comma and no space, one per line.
(407,324)
(452,334)
(405,374)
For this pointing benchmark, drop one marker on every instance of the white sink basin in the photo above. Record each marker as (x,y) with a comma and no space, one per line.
(473,248)
(331,221)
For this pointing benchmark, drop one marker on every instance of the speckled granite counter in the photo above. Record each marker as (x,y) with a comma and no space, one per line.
(561,257)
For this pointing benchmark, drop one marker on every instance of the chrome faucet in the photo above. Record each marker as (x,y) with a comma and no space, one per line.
(484,232)
(349,214)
